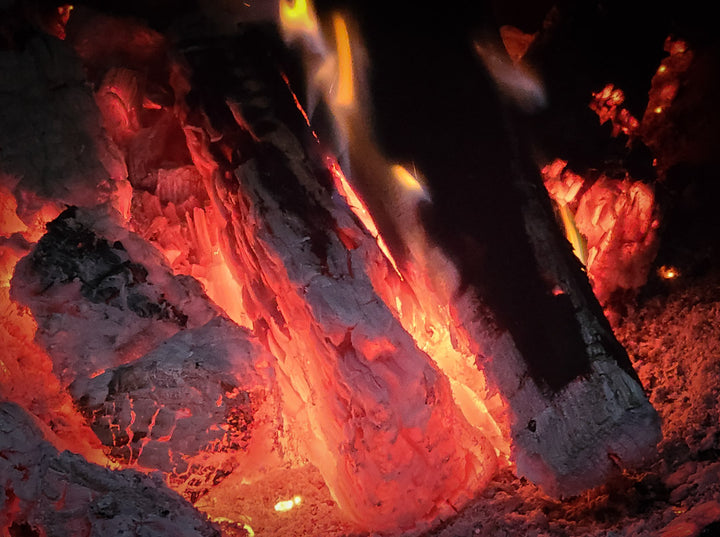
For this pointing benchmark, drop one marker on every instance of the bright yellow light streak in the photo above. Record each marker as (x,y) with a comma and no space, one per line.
(346,90)
(573,234)
(246,527)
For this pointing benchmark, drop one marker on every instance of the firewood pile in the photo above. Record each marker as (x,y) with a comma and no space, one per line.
(227,311)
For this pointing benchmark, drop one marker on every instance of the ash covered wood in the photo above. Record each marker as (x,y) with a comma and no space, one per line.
(190,408)
(575,402)
(46,492)
(101,295)
(187,405)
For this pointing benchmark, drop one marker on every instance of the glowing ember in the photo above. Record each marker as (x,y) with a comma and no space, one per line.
(516,42)
(658,128)
(607,104)
(668,273)
(612,226)
(26,375)
(360,210)
(286,505)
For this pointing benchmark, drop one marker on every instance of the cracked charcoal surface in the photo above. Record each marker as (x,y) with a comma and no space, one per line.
(70,251)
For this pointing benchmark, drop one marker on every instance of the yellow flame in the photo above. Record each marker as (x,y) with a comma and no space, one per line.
(346,89)
(572,233)
(298,16)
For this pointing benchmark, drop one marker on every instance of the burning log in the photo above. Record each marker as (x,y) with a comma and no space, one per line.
(46,492)
(190,404)
(368,408)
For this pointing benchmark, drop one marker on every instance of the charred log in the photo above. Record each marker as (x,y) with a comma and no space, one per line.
(479,176)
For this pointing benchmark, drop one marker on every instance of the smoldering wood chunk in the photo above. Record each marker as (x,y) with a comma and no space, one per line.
(101,295)
(72,252)
(52,493)
(189,408)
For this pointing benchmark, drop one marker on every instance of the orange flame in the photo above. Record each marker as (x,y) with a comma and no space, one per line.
(346,85)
